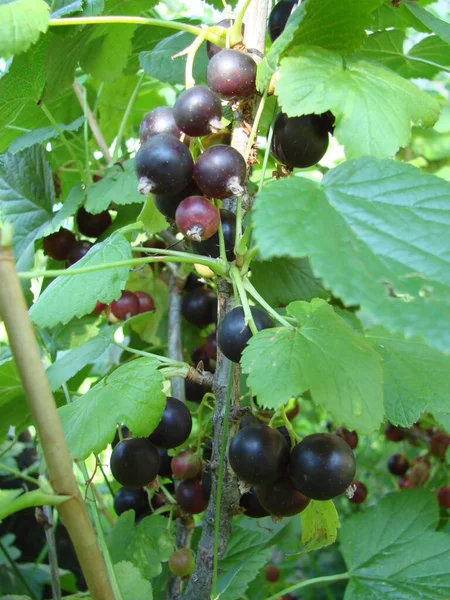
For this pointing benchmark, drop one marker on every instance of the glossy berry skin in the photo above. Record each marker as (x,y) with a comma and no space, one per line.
(191,496)
(213,49)
(360,493)
(393,433)
(281,498)
(93,225)
(279,17)
(187,465)
(126,306)
(272,573)
(253,507)
(182,562)
(258,454)
(163,165)
(398,464)
(322,466)
(232,74)
(159,120)
(78,251)
(167,204)
(211,247)
(351,437)
(443,496)
(165,460)
(134,462)
(58,245)
(233,334)
(146,302)
(220,172)
(198,111)
(175,425)
(299,141)
(199,306)
(439,444)
(131,499)
(197,218)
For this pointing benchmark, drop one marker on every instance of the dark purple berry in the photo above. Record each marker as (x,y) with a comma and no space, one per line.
(198,111)
(233,334)
(58,245)
(159,120)
(299,141)
(175,425)
(93,225)
(199,306)
(191,496)
(398,464)
(78,251)
(211,247)
(131,499)
(197,218)
(232,74)
(220,172)
(281,498)
(135,462)
(279,17)
(253,507)
(126,306)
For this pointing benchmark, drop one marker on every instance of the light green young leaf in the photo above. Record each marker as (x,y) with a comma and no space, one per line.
(61,8)
(377,233)
(373,106)
(393,551)
(37,136)
(21,23)
(131,583)
(439,27)
(320,524)
(67,297)
(132,394)
(323,355)
(151,218)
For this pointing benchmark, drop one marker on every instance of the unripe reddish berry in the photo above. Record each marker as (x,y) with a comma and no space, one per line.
(182,562)
(272,573)
(443,496)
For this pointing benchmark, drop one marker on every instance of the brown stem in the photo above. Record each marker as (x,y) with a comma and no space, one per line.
(174,334)
(43,409)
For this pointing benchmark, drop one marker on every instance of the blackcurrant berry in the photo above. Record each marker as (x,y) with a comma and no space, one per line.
(191,496)
(131,499)
(253,507)
(299,141)
(211,247)
(220,172)
(125,433)
(77,251)
(167,204)
(197,218)
(163,165)
(135,462)
(195,391)
(328,120)
(126,306)
(250,419)
(258,454)
(393,433)
(159,120)
(233,334)
(443,496)
(351,437)
(192,282)
(322,466)
(285,433)
(279,17)
(199,353)
(93,225)
(272,573)
(187,465)
(207,481)
(281,498)
(359,494)
(398,464)
(175,425)
(439,444)
(198,111)
(182,562)
(99,308)
(199,306)
(232,74)
(165,460)
(146,302)
(213,49)
(58,245)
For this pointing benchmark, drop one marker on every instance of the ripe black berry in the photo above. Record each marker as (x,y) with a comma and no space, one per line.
(439,444)
(211,247)
(279,17)
(93,225)
(191,496)
(77,251)
(322,466)
(443,496)
(175,425)
(182,562)
(258,454)
(393,433)
(398,464)
(126,306)
(198,111)
(213,49)
(233,334)
(199,307)
(232,74)
(360,493)
(159,120)
(253,507)
(351,437)
(163,165)
(299,141)
(220,172)
(165,460)
(58,245)
(197,218)
(195,391)
(281,498)
(167,204)
(131,499)
(146,302)
(135,462)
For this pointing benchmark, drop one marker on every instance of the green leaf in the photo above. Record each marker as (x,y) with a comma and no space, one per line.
(152,220)
(21,23)
(416,377)
(399,17)
(13,404)
(61,8)
(393,551)
(73,361)
(146,545)
(439,27)
(323,355)
(10,504)
(377,233)
(67,297)
(131,583)
(26,199)
(118,186)
(106,55)
(43,134)
(284,280)
(320,524)
(132,394)
(373,106)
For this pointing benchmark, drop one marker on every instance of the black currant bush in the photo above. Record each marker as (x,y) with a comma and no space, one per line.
(225,249)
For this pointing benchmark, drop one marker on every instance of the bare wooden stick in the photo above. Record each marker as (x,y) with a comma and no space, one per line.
(43,409)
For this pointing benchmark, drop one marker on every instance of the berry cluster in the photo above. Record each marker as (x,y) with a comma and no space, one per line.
(128,305)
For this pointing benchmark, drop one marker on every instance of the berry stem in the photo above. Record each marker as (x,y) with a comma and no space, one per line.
(255,125)
(257,296)
(294,437)
(316,581)
(125,117)
(193,49)
(236,277)
(235,30)
(267,152)
(163,359)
